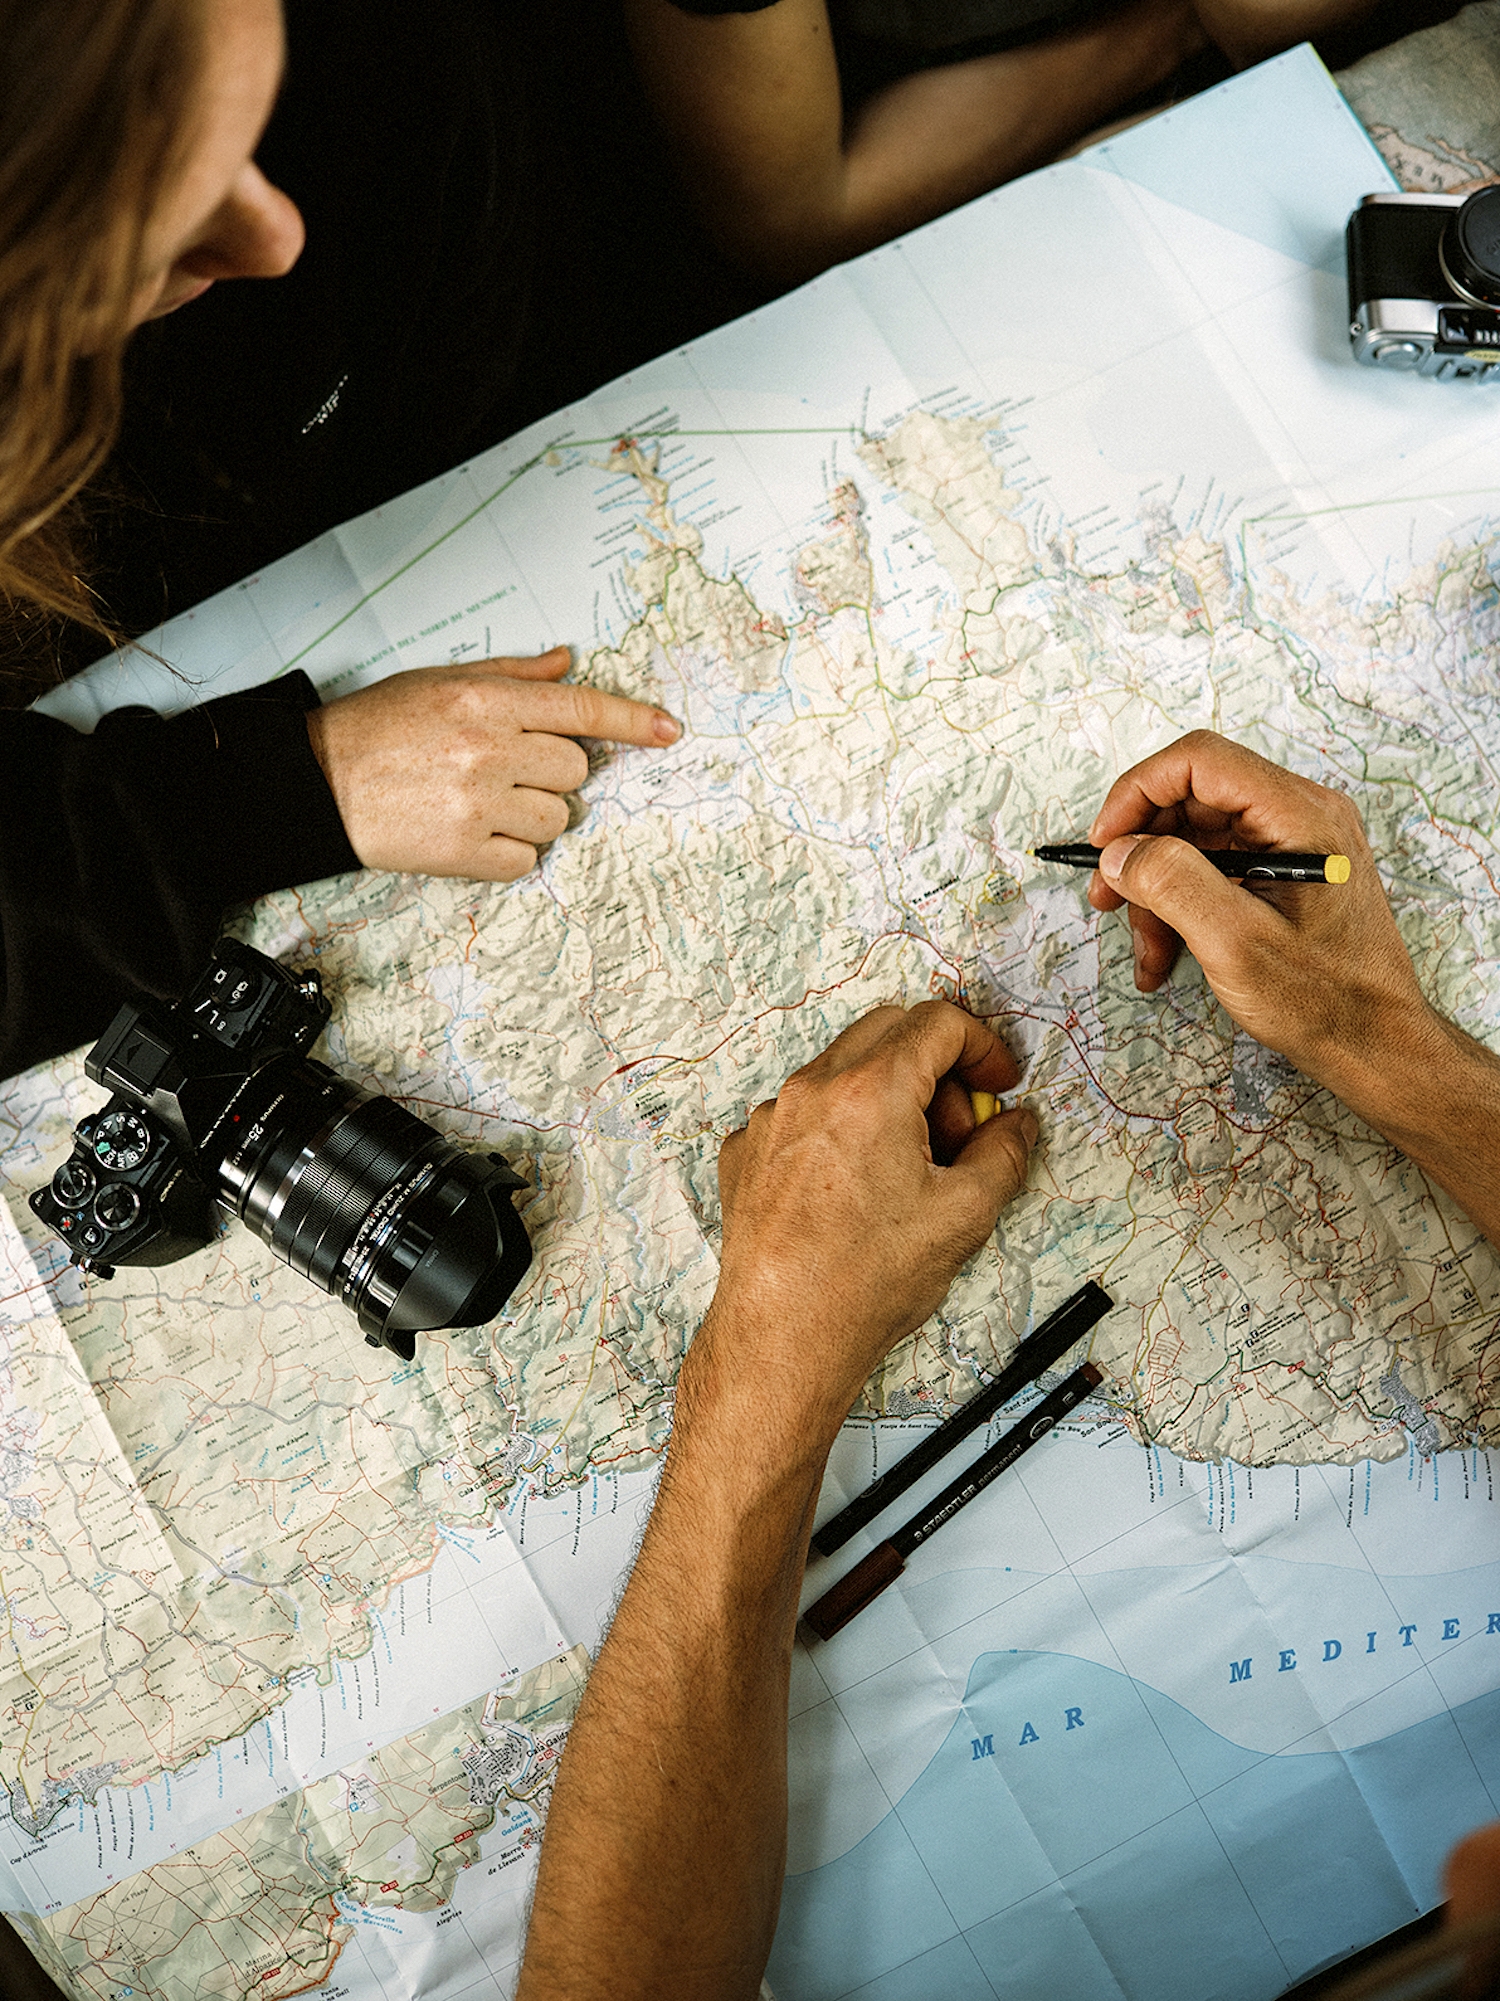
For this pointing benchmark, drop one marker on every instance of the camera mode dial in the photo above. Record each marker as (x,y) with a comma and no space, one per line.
(121,1141)
(1470,249)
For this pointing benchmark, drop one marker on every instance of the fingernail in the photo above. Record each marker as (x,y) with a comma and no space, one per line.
(665,728)
(1113,858)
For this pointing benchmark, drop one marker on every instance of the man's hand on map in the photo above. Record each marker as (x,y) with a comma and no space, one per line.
(464,770)
(850,1201)
(1317,972)
(849,1204)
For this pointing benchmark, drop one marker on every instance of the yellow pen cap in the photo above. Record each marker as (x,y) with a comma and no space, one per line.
(1336,869)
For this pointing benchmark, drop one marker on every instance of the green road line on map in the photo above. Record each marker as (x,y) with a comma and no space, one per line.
(1359,506)
(559,445)
(769,431)
(1350,507)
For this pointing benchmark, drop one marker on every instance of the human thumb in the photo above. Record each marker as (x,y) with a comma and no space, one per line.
(1172,880)
(996,1157)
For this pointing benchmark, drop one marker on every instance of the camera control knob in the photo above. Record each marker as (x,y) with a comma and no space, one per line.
(1397,354)
(122,1140)
(73,1183)
(117,1206)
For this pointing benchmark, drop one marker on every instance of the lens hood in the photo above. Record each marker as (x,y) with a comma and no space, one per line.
(451,1257)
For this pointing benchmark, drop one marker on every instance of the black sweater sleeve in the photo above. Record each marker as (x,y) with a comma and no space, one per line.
(120,851)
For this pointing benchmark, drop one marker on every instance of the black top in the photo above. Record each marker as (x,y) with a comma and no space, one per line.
(492,231)
(491,234)
(120,850)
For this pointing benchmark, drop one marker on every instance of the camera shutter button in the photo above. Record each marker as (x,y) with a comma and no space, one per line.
(1398,354)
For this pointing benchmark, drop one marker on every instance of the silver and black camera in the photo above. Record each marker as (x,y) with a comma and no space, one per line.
(1424,284)
(216,1104)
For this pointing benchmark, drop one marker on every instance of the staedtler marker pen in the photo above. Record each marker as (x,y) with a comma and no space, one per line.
(1268,866)
(887,1560)
(1063,1329)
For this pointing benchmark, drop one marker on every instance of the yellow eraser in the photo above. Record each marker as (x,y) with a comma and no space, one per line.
(984,1105)
(1336,869)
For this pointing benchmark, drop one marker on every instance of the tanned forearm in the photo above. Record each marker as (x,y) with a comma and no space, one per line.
(754,105)
(1250,30)
(940,137)
(1434,1091)
(849,1203)
(666,1838)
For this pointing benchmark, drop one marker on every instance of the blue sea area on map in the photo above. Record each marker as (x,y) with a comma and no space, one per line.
(1197,155)
(1132,1852)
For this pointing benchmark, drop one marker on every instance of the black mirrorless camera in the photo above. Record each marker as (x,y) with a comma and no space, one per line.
(1424,283)
(215,1103)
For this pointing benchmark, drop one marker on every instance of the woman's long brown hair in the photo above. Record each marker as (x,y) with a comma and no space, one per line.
(95,105)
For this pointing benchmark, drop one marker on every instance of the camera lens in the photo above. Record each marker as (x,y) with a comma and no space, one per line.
(1470,249)
(370,1203)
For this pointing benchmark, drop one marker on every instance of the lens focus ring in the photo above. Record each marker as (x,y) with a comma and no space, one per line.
(373,1205)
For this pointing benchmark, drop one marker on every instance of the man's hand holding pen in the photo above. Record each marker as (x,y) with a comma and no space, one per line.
(1321,975)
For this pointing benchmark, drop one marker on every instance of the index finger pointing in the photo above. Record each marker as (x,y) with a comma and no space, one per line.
(567,709)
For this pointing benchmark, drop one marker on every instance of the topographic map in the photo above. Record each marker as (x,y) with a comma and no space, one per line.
(1432,103)
(288,1625)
